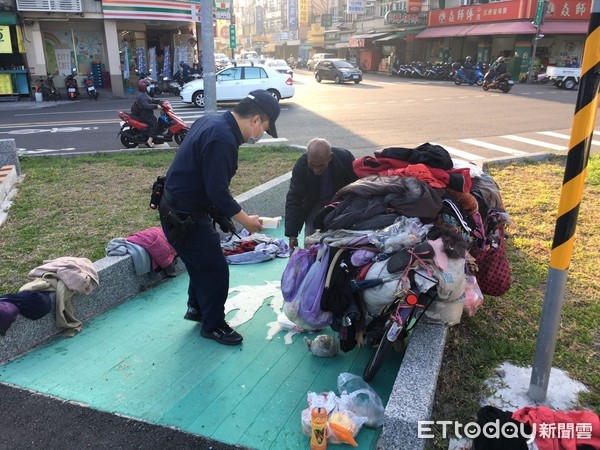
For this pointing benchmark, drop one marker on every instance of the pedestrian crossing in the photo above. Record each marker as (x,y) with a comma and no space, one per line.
(469,149)
(517,145)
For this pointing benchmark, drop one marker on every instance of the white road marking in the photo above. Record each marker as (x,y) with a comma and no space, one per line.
(562,136)
(534,142)
(498,148)
(461,154)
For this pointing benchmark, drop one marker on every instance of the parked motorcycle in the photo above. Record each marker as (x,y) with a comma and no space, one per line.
(72,88)
(171,127)
(503,82)
(88,82)
(49,90)
(470,78)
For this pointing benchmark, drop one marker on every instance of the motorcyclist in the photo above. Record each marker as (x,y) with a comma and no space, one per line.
(497,68)
(468,68)
(291,61)
(146,106)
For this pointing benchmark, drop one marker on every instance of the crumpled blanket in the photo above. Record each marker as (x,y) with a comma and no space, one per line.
(66,276)
(155,242)
(121,247)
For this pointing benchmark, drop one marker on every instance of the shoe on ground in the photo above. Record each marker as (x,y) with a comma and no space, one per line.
(193,314)
(223,335)
(150,143)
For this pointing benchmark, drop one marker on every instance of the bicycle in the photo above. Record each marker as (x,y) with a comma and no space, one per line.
(394,324)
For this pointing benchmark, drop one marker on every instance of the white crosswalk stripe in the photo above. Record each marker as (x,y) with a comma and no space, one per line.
(534,142)
(461,154)
(498,148)
(563,136)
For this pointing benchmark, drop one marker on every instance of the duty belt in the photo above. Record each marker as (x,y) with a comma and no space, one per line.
(183,208)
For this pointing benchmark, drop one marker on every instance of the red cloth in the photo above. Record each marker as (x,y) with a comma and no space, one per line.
(156,244)
(553,431)
(369,165)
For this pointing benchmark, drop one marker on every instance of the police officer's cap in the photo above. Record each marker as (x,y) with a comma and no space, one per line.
(269,105)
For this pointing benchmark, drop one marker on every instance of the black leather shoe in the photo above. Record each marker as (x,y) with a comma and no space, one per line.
(193,314)
(223,335)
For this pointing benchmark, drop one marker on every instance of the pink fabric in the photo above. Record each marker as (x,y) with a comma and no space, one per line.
(156,244)
(556,441)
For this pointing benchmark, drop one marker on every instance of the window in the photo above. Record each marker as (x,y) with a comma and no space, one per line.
(254,73)
(50,5)
(235,73)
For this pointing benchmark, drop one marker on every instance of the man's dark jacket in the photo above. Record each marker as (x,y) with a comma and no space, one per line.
(305,187)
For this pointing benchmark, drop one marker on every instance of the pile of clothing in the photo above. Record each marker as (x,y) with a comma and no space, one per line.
(415,220)
(64,276)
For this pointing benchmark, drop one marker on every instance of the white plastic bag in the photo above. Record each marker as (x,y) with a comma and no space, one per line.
(357,396)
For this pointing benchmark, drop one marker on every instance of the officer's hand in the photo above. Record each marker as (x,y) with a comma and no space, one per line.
(253,225)
(293,242)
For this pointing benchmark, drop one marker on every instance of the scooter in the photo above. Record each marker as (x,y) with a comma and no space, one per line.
(72,88)
(503,82)
(134,131)
(169,86)
(88,82)
(460,77)
(153,88)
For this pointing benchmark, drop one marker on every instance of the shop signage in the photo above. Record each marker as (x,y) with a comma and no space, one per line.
(465,15)
(293,14)
(355,7)
(232,40)
(148,10)
(539,12)
(403,18)
(303,12)
(260,19)
(5,41)
(568,9)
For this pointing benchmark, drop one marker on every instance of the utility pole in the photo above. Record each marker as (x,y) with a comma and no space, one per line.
(539,19)
(208,57)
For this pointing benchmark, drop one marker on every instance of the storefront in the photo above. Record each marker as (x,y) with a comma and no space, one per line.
(116,41)
(487,31)
(14,77)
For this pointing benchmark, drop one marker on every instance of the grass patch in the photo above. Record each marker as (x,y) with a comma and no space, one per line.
(505,328)
(75,206)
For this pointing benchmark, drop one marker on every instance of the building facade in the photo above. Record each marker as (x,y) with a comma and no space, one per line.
(118,40)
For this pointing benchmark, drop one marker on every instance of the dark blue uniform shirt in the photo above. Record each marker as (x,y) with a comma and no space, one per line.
(205,164)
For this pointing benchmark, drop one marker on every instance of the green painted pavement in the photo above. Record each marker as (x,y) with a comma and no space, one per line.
(141,359)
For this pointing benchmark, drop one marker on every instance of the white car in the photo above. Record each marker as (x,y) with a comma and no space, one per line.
(235,83)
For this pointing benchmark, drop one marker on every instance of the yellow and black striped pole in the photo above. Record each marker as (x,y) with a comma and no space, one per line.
(568,208)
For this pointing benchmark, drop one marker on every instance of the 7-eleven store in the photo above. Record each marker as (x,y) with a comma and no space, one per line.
(114,40)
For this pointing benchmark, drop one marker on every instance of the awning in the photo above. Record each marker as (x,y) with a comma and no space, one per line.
(341,45)
(368,36)
(489,29)
(440,32)
(399,34)
(293,42)
(565,27)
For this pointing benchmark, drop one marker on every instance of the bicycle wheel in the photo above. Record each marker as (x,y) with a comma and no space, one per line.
(379,354)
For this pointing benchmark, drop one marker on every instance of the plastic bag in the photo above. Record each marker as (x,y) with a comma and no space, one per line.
(404,232)
(342,425)
(474,297)
(296,269)
(357,396)
(310,292)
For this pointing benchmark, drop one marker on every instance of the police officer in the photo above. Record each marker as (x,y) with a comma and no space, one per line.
(199,178)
